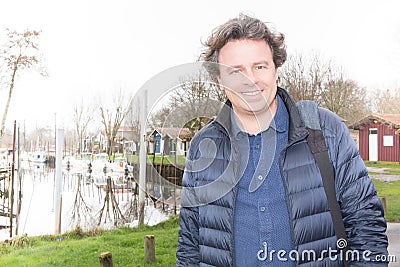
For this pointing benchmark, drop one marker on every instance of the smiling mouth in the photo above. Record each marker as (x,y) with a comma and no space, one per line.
(252,93)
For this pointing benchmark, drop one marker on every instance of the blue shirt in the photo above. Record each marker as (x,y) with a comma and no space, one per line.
(261,220)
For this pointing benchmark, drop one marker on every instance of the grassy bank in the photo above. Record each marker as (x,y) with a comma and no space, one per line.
(83,249)
(180,160)
(389,190)
(392,192)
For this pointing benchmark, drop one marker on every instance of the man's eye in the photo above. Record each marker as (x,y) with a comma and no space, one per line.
(260,67)
(235,71)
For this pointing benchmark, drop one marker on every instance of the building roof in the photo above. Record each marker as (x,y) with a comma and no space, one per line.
(125,129)
(182,133)
(392,120)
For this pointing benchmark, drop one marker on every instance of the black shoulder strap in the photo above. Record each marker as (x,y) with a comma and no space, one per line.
(316,141)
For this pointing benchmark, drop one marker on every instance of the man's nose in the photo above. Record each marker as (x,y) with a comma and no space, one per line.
(251,78)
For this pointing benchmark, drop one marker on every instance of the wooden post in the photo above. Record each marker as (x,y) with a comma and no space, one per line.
(105,259)
(12,181)
(149,249)
(384,204)
(142,157)
(58,181)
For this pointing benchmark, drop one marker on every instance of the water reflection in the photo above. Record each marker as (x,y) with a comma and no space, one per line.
(91,197)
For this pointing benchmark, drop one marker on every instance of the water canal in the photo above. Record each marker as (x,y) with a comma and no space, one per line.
(83,198)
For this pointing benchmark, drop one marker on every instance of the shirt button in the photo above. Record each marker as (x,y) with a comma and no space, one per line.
(262,208)
(260,177)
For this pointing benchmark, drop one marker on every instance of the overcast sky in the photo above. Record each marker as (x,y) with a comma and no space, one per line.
(96,47)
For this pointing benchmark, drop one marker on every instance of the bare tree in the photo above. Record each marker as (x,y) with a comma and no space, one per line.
(82,116)
(80,208)
(303,76)
(39,138)
(132,122)
(195,97)
(312,78)
(118,217)
(69,140)
(20,52)
(112,117)
(343,96)
(386,101)
(158,117)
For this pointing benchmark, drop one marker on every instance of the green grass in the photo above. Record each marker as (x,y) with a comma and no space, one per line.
(392,168)
(392,192)
(134,158)
(77,249)
(180,160)
(389,190)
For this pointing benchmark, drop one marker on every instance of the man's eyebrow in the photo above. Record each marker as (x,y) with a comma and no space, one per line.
(262,62)
(235,66)
(255,63)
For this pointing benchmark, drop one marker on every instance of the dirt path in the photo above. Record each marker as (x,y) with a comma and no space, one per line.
(378,173)
(393,233)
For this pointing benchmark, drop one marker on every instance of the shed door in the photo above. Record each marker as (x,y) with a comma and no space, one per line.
(157,143)
(373,144)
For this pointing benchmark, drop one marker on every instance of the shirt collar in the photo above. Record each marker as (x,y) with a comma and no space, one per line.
(235,127)
(281,118)
(279,123)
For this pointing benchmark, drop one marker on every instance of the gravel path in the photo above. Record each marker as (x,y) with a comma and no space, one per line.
(385,177)
(393,233)
(380,175)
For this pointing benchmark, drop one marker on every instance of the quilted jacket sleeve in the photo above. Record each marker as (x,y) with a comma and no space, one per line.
(188,253)
(361,207)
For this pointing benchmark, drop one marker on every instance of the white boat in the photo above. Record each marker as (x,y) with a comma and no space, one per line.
(3,166)
(38,167)
(78,163)
(38,156)
(99,162)
(119,164)
(100,181)
(6,159)
(119,181)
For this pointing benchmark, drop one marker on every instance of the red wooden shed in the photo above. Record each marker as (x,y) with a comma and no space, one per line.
(379,138)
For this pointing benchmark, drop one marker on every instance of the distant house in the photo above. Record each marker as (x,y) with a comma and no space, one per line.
(125,135)
(123,142)
(99,141)
(169,141)
(125,132)
(378,136)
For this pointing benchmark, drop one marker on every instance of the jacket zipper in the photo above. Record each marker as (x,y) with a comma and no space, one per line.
(234,190)
(281,161)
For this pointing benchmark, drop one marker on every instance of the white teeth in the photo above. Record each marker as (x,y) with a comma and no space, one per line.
(251,93)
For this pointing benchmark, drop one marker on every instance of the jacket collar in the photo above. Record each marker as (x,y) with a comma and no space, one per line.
(297,130)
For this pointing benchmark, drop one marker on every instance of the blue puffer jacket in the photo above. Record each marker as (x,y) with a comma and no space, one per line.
(206,218)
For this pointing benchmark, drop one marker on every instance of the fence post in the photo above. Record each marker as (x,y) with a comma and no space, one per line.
(105,259)
(149,249)
(384,204)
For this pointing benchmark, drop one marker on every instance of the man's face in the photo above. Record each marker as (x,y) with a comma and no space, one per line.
(248,75)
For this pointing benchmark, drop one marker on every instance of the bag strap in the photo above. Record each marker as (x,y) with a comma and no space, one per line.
(309,114)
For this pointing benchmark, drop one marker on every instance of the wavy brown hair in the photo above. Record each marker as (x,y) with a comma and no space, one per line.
(242,27)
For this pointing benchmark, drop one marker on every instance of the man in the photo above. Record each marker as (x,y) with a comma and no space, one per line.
(253,194)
